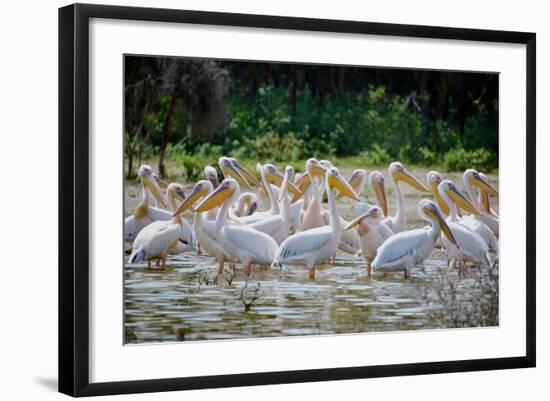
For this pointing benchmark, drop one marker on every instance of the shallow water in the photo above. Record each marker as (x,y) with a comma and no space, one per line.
(183,303)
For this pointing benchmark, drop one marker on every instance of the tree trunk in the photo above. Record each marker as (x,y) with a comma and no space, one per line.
(130,164)
(165,133)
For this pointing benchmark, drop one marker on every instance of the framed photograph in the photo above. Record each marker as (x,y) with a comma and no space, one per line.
(251,199)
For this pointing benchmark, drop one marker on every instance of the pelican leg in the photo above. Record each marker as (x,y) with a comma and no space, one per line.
(311,271)
(199,250)
(220,267)
(149,264)
(247,269)
(369,268)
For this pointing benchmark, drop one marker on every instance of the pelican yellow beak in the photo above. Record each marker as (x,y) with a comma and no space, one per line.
(439,199)
(155,190)
(302,188)
(405,176)
(317,170)
(229,170)
(278,179)
(197,193)
(442,224)
(380,192)
(338,182)
(358,219)
(250,178)
(455,195)
(302,181)
(160,182)
(215,198)
(483,185)
(354,181)
(486,204)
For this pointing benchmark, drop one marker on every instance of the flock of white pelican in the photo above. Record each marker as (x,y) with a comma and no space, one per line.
(279,219)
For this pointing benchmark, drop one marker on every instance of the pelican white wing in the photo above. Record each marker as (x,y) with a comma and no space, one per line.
(260,247)
(155,241)
(400,245)
(298,247)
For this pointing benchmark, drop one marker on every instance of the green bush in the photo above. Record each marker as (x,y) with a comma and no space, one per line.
(459,159)
(376,156)
(274,147)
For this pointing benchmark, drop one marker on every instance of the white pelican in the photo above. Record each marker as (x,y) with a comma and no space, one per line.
(473,248)
(398,174)
(144,214)
(313,216)
(160,238)
(187,240)
(473,223)
(434,179)
(277,226)
(473,179)
(371,233)
(267,174)
(317,244)
(404,250)
(205,229)
(241,242)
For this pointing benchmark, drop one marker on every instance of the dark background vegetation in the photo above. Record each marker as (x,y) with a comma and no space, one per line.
(192,111)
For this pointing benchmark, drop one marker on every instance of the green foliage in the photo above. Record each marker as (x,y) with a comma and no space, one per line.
(376,156)
(459,159)
(372,125)
(274,147)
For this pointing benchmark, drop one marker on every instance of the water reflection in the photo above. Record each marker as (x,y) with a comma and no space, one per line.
(179,304)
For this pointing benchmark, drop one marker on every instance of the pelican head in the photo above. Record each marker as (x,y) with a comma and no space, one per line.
(373,216)
(228,189)
(376,182)
(358,179)
(429,211)
(336,181)
(325,163)
(212,175)
(230,171)
(201,189)
(472,177)
(399,173)
(145,173)
(175,191)
(450,193)
(434,179)
(314,168)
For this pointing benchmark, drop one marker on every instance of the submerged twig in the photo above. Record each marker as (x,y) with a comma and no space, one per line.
(250,296)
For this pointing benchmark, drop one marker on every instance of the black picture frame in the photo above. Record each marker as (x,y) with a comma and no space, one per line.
(74,198)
